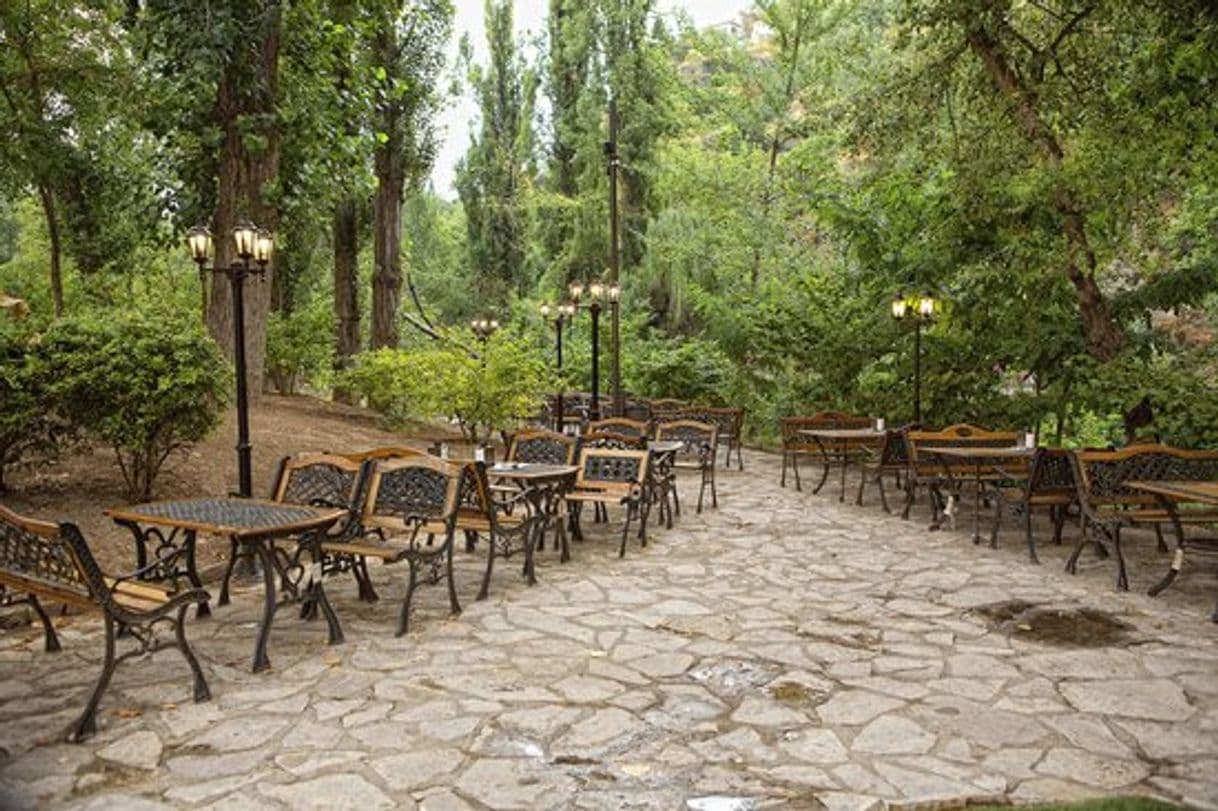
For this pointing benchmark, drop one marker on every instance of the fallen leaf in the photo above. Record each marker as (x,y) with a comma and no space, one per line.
(636,769)
(332,661)
(128,712)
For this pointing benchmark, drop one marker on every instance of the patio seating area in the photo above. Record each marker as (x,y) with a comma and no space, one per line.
(785,649)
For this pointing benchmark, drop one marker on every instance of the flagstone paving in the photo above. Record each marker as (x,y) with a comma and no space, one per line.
(783,651)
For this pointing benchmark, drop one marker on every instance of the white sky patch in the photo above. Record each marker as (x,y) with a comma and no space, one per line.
(456,120)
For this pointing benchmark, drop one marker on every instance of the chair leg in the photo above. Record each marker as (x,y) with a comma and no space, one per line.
(454,605)
(621,553)
(86,725)
(1072,561)
(795,468)
(1059,521)
(910,493)
(490,566)
(998,505)
(1159,539)
(714,490)
(782,482)
(701,490)
(740,456)
(404,614)
(201,693)
(52,639)
(367,593)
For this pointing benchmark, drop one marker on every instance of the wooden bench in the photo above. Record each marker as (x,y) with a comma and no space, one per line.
(939,475)
(1109,506)
(41,561)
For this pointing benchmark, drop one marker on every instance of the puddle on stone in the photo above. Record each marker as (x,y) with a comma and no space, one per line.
(795,694)
(1056,627)
(732,677)
(720,803)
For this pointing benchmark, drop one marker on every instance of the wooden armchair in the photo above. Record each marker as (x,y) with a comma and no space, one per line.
(730,422)
(408,512)
(1050,484)
(611,477)
(700,446)
(795,445)
(542,447)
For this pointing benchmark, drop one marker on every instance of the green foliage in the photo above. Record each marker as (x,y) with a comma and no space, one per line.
(144,383)
(509,380)
(298,347)
(692,369)
(28,426)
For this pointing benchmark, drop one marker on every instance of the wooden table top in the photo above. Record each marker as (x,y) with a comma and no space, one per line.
(1198,492)
(978,452)
(842,433)
(240,518)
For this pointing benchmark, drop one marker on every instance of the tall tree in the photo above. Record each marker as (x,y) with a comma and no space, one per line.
(407,52)
(493,176)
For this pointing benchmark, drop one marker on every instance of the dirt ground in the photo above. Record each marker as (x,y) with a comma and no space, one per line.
(81,485)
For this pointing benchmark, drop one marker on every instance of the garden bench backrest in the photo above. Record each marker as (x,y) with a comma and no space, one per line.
(403,491)
(384,452)
(620,425)
(961,435)
(617,473)
(1102,475)
(790,427)
(665,408)
(638,410)
(542,447)
(700,440)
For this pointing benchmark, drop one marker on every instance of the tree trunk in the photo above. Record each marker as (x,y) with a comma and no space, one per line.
(47,196)
(346,295)
(243,176)
(387,216)
(1104,338)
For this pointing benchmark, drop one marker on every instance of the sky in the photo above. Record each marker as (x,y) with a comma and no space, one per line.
(459,115)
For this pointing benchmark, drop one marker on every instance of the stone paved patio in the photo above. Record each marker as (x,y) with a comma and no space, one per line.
(783,651)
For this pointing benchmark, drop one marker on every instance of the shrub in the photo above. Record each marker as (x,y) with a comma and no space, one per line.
(145,384)
(299,346)
(691,369)
(507,381)
(27,424)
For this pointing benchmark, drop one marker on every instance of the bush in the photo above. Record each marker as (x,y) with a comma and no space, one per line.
(509,380)
(146,384)
(27,425)
(692,369)
(299,346)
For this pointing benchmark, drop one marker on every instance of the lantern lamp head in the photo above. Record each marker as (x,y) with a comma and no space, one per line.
(900,306)
(615,292)
(576,290)
(199,240)
(264,246)
(596,290)
(244,235)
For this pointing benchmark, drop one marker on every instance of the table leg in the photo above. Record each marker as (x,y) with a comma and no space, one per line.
(977,507)
(192,572)
(824,476)
(1177,560)
(266,556)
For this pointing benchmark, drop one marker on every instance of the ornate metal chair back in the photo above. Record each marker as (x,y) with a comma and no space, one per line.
(665,409)
(542,447)
(405,491)
(700,439)
(319,480)
(637,410)
(614,471)
(53,556)
(1052,473)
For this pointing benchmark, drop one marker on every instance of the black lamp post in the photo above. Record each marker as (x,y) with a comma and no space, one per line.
(920,309)
(596,291)
(614,166)
(559,315)
(252,244)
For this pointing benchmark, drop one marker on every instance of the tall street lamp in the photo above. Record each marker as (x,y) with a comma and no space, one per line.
(559,315)
(596,291)
(253,245)
(918,308)
(614,167)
